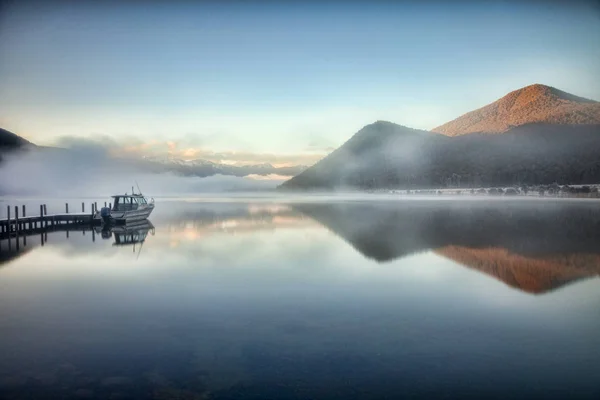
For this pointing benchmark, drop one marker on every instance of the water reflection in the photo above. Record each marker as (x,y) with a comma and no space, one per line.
(532,246)
(264,300)
(16,245)
(535,247)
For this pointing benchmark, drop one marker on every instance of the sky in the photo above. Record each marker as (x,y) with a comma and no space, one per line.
(279,82)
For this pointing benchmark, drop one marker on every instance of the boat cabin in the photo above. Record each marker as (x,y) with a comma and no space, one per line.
(128,202)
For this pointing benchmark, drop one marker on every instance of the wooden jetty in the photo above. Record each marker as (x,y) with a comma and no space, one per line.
(18,224)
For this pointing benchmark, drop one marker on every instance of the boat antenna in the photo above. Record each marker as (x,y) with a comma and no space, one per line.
(138,186)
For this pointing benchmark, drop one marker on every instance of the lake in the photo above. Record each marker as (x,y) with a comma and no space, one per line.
(312,297)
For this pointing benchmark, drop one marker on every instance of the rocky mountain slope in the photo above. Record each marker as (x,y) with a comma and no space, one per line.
(528,105)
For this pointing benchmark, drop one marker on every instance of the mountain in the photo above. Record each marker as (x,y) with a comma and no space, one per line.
(531,104)
(204,168)
(533,247)
(10,141)
(539,144)
(382,153)
(200,168)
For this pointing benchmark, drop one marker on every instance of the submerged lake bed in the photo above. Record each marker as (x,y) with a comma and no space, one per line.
(318,297)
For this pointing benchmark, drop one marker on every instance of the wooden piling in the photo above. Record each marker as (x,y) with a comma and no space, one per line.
(24,215)
(67,208)
(8,219)
(17,222)
(82,207)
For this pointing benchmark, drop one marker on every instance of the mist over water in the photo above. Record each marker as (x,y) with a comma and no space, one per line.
(52,173)
(308,297)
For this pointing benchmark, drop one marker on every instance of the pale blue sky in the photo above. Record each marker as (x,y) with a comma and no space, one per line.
(287,79)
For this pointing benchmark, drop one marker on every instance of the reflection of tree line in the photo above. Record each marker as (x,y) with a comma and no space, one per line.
(534,246)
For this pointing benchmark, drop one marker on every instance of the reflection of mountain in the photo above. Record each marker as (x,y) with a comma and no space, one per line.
(533,275)
(534,246)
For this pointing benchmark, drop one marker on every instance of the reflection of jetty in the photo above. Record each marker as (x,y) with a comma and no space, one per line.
(42,222)
(15,244)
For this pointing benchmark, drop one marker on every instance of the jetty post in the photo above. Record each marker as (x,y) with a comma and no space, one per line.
(67,208)
(82,207)
(17,223)
(8,219)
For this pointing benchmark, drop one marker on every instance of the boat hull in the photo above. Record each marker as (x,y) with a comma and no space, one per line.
(120,217)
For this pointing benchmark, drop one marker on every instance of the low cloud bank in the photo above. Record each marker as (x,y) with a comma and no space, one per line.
(85,171)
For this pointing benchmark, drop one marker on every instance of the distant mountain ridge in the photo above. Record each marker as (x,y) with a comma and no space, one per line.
(203,168)
(9,142)
(531,104)
(543,135)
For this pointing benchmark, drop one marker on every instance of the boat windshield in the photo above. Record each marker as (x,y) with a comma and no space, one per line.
(128,203)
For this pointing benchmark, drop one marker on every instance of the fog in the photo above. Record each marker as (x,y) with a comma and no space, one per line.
(90,171)
(384,155)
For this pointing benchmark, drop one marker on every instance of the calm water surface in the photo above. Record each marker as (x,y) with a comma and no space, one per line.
(321,299)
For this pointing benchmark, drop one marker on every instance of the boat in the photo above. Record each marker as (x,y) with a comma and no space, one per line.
(127,208)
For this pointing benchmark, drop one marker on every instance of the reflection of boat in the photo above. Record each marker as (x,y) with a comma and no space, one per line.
(129,234)
(127,208)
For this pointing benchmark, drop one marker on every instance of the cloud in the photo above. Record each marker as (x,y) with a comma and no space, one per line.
(132,148)
(269,177)
(100,145)
(87,171)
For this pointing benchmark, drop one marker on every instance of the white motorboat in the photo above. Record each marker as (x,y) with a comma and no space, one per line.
(127,208)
